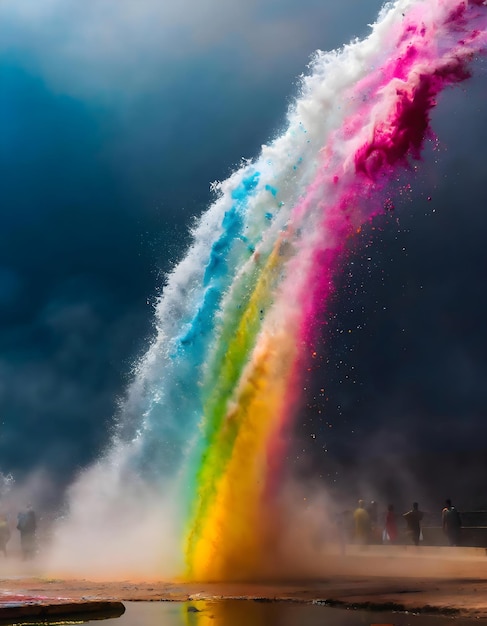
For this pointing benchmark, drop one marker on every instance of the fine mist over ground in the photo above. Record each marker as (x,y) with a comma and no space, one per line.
(117,527)
(134,534)
(135,537)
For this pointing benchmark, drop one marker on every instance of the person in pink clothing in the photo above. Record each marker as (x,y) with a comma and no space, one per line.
(390,526)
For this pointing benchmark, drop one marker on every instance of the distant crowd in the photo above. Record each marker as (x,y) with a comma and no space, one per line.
(27,527)
(363,526)
(367,528)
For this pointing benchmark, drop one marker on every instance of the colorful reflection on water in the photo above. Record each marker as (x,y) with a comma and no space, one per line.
(269,613)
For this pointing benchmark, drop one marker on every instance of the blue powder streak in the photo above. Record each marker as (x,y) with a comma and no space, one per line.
(170,417)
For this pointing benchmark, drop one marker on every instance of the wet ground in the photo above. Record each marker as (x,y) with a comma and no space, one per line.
(259,613)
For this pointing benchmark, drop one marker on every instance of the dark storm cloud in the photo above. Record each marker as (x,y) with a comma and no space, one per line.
(74,276)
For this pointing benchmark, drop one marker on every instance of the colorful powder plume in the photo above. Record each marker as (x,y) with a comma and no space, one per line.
(221,384)
(374,99)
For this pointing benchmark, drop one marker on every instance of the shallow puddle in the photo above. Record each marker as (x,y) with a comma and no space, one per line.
(265,613)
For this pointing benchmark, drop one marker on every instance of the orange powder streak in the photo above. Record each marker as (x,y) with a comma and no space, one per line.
(231,542)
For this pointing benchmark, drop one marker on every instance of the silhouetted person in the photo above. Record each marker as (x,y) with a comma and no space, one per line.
(390,525)
(4,534)
(413,520)
(362,524)
(27,524)
(452,523)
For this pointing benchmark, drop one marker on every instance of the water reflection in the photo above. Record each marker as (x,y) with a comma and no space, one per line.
(265,613)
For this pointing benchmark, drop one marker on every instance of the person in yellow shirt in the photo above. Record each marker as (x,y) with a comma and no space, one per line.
(362,524)
(4,534)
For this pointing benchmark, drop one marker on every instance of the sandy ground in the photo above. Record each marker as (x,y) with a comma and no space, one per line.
(437,580)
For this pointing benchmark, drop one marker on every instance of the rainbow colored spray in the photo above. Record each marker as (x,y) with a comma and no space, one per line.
(238,315)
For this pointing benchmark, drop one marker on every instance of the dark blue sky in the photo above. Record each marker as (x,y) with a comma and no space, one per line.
(113,123)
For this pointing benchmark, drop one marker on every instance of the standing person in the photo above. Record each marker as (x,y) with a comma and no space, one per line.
(390,525)
(27,525)
(4,534)
(452,523)
(362,524)
(413,520)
